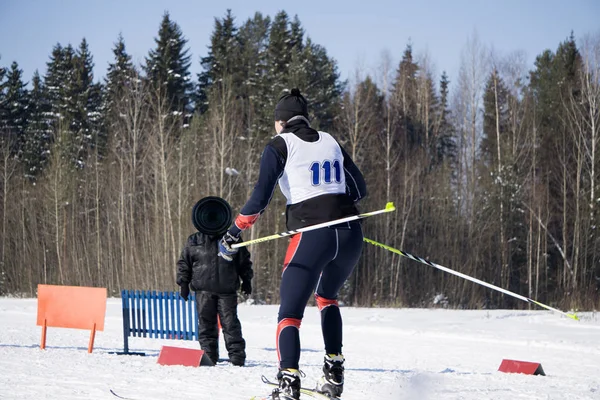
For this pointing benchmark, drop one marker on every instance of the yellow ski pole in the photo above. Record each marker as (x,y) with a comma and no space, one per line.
(389,207)
(467,277)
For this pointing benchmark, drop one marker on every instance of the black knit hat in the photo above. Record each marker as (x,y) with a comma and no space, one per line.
(290,105)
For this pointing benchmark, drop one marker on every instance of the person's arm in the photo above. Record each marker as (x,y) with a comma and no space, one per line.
(244,266)
(355,181)
(184,266)
(184,272)
(272,164)
(244,270)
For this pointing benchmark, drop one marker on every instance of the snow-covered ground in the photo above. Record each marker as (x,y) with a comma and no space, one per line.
(390,354)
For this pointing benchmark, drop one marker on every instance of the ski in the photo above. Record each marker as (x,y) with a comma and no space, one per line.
(121,397)
(306,392)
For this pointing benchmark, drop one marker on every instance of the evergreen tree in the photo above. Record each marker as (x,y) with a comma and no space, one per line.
(118,77)
(120,81)
(87,124)
(291,62)
(13,117)
(553,79)
(296,34)
(446,148)
(253,38)
(80,130)
(222,61)
(2,91)
(74,101)
(264,59)
(279,56)
(501,196)
(58,86)
(254,41)
(317,76)
(405,99)
(167,66)
(36,149)
(551,82)
(2,73)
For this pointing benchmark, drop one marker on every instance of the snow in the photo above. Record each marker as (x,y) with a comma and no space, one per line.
(390,354)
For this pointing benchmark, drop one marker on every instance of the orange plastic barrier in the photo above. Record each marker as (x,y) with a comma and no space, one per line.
(170,355)
(75,307)
(521,367)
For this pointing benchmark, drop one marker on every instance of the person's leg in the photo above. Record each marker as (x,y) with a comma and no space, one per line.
(232,329)
(349,244)
(307,254)
(208,330)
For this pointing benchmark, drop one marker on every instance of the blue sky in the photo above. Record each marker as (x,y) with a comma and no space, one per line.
(354,32)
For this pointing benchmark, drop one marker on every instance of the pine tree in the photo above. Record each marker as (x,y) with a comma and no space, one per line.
(167,66)
(279,56)
(118,79)
(36,149)
(405,99)
(58,86)
(552,81)
(87,126)
(222,61)
(253,37)
(294,63)
(446,148)
(318,77)
(499,189)
(13,119)
(74,102)
(296,34)
(2,73)
(81,135)
(2,91)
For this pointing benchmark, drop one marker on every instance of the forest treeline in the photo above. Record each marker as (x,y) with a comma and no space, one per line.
(494,176)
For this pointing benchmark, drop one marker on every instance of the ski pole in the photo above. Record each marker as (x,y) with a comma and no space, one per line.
(467,277)
(389,207)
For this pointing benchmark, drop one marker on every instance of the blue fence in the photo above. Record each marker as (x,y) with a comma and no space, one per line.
(161,315)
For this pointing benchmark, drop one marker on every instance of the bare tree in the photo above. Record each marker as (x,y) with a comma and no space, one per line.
(467,113)
(9,166)
(583,113)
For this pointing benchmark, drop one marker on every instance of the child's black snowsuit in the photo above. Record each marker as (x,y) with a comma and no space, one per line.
(216,283)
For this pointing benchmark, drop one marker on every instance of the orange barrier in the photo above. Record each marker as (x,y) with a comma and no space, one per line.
(170,355)
(71,307)
(521,367)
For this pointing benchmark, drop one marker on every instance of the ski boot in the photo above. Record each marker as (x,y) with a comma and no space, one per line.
(332,382)
(289,385)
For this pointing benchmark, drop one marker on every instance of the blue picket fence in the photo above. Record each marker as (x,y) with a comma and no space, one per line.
(161,315)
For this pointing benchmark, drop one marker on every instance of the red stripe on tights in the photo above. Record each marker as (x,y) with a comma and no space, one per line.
(291,250)
(322,302)
(284,323)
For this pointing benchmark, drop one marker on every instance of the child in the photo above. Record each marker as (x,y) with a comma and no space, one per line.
(216,282)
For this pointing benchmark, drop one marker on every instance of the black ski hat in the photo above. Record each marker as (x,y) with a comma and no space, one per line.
(212,215)
(290,105)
